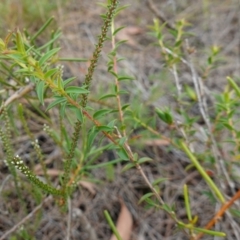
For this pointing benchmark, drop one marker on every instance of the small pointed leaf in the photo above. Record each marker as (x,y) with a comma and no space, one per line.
(56,102)
(122,154)
(145,196)
(128,166)
(50,72)
(98,114)
(124,78)
(40,91)
(78,90)
(48,55)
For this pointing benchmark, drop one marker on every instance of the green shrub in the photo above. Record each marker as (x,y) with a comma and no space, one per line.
(37,75)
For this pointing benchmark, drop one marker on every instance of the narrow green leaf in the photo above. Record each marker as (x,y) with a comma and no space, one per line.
(122,154)
(202,171)
(56,102)
(105,164)
(210,232)
(165,115)
(187,203)
(63,109)
(111,224)
(2,45)
(127,167)
(117,30)
(145,196)
(112,123)
(143,160)
(98,114)
(50,72)
(122,141)
(159,180)
(110,174)
(167,208)
(60,82)
(42,29)
(121,59)
(120,43)
(67,81)
(124,78)
(123,92)
(125,106)
(151,203)
(19,42)
(47,56)
(40,91)
(91,136)
(73,59)
(50,43)
(235,213)
(118,10)
(102,4)
(78,90)
(79,114)
(107,96)
(105,128)
(23,70)
(113,73)
(234,86)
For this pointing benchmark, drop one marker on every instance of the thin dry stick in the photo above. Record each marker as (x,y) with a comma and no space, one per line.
(139,168)
(203,109)
(220,213)
(159,14)
(195,78)
(115,68)
(18,94)
(233,223)
(179,93)
(28,217)
(202,106)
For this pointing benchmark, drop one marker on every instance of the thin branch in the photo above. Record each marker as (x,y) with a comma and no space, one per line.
(28,217)
(18,94)
(115,68)
(179,94)
(159,14)
(220,213)
(198,85)
(220,166)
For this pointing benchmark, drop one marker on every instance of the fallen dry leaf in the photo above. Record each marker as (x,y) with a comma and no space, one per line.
(124,223)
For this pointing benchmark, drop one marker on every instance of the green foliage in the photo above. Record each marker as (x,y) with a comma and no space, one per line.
(36,64)
(110,128)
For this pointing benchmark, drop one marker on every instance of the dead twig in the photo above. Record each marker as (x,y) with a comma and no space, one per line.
(28,217)
(159,14)
(18,94)
(220,213)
